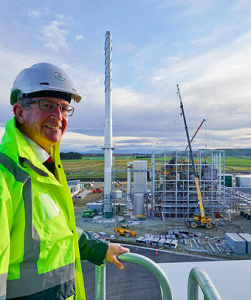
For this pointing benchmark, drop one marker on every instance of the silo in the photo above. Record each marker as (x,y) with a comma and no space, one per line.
(140,177)
(243,180)
(209,173)
(228,180)
(139,200)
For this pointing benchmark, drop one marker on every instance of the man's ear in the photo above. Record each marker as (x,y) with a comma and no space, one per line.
(18,112)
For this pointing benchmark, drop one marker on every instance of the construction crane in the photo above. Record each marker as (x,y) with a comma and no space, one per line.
(195,132)
(198,219)
(193,137)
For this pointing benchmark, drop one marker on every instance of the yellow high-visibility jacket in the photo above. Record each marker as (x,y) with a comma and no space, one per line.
(39,250)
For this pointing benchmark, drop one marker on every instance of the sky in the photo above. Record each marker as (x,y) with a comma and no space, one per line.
(204,46)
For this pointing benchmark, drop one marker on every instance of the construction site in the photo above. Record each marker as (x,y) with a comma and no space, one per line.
(180,190)
(158,202)
(183,202)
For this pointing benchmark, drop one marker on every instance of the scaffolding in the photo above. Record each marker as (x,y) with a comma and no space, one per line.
(173,186)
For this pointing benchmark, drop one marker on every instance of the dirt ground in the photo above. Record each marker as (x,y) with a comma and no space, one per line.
(201,236)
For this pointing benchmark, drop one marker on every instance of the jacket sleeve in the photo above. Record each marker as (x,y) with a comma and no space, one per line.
(5,227)
(93,250)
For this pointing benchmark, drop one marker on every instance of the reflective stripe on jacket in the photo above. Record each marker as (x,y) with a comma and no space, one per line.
(39,253)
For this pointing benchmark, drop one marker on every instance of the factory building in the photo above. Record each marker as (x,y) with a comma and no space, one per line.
(174,192)
(171,191)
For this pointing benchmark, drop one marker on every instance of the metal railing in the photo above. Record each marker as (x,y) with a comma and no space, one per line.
(100,275)
(199,277)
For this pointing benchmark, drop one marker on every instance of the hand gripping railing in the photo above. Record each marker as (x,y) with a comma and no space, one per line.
(198,277)
(100,275)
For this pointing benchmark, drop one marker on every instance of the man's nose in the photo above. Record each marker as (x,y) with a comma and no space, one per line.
(57,114)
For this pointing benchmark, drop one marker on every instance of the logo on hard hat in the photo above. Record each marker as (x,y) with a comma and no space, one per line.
(59,76)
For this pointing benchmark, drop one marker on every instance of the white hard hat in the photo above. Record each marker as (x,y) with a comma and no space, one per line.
(43,79)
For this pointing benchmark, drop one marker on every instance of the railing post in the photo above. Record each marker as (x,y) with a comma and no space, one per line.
(100,282)
(100,275)
(198,277)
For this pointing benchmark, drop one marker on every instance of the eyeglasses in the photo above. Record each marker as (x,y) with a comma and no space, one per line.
(50,107)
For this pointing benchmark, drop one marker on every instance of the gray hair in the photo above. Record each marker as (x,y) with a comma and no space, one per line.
(24,102)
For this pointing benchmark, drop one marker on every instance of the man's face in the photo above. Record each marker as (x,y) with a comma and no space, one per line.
(44,128)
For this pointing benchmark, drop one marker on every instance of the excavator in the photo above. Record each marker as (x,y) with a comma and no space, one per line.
(199,219)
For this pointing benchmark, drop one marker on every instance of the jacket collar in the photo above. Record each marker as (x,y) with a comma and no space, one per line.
(16,146)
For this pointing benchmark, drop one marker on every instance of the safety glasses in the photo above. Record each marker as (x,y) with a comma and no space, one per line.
(51,107)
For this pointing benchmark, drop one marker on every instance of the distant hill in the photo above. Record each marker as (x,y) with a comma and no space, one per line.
(145,151)
(237,152)
(116,151)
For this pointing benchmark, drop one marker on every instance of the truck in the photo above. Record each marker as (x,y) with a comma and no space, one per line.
(97,190)
(89,213)
(124,230)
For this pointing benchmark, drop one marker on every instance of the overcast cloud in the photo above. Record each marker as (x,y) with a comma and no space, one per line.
(157,44)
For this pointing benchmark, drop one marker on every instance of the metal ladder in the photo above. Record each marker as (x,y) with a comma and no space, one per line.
(197,277)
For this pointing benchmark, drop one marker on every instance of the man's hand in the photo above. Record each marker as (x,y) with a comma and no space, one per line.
(114,250)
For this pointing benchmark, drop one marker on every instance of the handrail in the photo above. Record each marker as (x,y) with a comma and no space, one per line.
(100,279)
(199,277)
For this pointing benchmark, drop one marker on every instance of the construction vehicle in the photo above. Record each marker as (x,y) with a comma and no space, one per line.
(141,217)
(89,213)
(97,190)
(199,219)
(124,230)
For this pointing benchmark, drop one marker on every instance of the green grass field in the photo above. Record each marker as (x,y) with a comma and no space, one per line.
(92,168)
(241,163)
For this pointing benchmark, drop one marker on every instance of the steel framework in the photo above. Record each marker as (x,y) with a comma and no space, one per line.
(173,186)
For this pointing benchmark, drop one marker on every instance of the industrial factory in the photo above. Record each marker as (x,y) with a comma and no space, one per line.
(166,195)
(180,185)
(182,201)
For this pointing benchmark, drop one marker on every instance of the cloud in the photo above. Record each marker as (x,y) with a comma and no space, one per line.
(135,140)
(213,70)
(241,5)
(34,13)
(12,62)
(207,40)
(78,142)
(54,37)
(129,48)
(79,37)
(191,6)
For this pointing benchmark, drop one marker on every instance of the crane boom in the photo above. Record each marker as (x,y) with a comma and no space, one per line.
(202,218)
(192,159)
(192,138)
(195,132)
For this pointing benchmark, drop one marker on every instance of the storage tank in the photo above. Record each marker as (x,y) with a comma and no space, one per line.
(139,201)
(140,176)
(118,194)
(243,180)
(228,180)
(209,173)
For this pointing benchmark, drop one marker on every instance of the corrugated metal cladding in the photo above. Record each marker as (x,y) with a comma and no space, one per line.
(236,243)
(139,201)
(243,180)
(247,238)
(140,176)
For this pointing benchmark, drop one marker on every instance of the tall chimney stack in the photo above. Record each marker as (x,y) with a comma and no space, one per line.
(108,127)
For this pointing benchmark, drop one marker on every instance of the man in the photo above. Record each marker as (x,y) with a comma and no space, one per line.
(40,248)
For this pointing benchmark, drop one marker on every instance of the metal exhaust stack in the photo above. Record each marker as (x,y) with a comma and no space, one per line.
(108,127)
